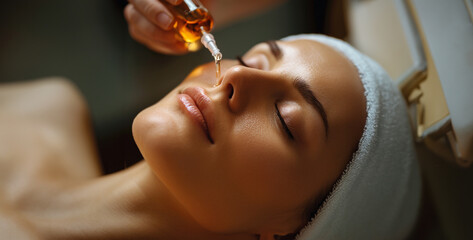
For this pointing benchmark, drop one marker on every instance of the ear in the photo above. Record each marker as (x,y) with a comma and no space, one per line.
(266,236)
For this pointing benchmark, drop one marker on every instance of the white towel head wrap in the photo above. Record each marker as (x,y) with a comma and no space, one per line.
(378,194)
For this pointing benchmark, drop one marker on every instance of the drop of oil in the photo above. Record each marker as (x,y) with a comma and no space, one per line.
(218,59)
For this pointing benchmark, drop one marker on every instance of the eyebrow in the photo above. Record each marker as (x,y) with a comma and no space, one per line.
(304,89)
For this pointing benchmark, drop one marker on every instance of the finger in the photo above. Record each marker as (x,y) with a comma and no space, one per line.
(137,36)
(175,48)
(128,13)
(147,29)
(153,37)
(155,12)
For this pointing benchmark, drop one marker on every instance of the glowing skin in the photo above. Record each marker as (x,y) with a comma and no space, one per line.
(245,173)
(220,163)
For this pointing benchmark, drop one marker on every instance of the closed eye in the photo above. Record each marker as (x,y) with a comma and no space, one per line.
(283,123)
(240,60)
(281,119)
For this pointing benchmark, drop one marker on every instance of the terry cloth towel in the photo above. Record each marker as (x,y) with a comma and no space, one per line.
(378,194)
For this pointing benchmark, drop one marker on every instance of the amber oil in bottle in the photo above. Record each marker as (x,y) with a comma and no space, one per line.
(193,22)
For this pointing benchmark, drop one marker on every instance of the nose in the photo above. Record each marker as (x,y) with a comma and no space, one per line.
(244,87)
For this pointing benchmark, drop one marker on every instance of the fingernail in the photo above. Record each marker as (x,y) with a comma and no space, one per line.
(164,20)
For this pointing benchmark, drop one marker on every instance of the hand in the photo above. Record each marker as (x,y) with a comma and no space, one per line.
(150,23)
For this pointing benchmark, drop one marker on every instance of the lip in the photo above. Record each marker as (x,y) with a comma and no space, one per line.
(199,107)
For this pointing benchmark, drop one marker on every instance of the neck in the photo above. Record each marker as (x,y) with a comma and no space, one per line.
(129,204)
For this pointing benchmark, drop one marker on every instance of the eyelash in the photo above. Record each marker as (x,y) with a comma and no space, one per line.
(240,60)
(283,123)
(281,119)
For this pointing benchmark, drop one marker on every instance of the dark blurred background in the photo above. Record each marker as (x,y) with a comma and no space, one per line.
(88,42)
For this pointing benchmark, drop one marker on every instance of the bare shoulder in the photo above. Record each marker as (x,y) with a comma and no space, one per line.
(13,227)
(41,98)
(45,131)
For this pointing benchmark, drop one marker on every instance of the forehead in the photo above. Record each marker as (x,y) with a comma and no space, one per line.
(312,60)
(328,72)
(309,60)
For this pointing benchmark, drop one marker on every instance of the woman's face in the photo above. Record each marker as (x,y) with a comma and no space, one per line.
(250,154)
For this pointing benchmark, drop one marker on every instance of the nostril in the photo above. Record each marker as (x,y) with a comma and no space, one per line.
(230,91)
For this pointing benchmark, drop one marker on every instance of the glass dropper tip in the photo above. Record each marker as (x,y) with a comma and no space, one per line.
(218,58)
(208,41)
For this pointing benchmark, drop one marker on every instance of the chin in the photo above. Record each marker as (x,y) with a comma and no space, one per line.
(166,139)
(156,133)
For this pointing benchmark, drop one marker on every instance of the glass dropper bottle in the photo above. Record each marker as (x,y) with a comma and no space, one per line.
(193,22)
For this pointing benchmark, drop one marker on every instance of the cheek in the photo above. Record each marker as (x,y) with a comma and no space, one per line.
(205,75)
(150,127)
(202,75)
(166,139)
(263,165)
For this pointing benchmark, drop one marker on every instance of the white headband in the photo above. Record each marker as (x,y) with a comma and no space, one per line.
(378,194)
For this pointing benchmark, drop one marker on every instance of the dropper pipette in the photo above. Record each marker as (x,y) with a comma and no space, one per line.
(208,41)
